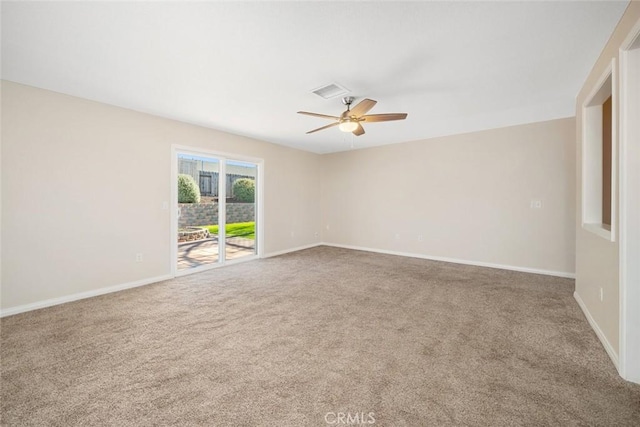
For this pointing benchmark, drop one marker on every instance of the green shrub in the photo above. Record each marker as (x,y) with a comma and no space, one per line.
(188,191)
(244,190)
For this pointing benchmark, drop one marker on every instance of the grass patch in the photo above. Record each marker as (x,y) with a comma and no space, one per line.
(238,229)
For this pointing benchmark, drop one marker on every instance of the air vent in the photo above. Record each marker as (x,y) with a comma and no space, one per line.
(331,90)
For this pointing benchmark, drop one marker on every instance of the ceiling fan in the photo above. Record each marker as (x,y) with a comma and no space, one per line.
(349,120)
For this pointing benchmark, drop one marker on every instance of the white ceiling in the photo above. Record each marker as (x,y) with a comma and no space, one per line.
(247,67)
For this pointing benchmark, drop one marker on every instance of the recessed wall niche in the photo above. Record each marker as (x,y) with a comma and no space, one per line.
(598,157)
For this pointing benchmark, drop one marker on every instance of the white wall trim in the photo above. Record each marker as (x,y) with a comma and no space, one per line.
(629,283)
(458,261)
(299,248)
(605,343)
(81,295)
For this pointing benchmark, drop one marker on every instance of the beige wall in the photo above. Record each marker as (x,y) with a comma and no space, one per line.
(68,228)
(83,185)
(468,196)
(596,258)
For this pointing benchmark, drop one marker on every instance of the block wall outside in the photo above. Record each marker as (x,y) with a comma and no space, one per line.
(195,214)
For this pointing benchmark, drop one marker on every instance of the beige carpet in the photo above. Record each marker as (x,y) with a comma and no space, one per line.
(298,339)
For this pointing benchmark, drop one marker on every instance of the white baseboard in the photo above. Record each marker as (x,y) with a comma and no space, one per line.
(605,343)
(88,294)
(81,295)
(459,261)
(286,251)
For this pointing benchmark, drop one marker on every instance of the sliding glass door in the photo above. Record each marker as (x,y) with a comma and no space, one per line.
(240,210)
(216,219)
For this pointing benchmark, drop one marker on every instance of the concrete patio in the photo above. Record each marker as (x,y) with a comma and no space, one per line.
(203,252)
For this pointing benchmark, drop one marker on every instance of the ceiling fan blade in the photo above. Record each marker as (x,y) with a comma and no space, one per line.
(362,107)
(324,116)
(359,130)
(324,127)
(384,117)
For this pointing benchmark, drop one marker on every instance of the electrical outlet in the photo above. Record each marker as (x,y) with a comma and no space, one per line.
(139,257)
(420,237)
(293,233)
(536,204)
(601,294)
(316,234)
(397,236)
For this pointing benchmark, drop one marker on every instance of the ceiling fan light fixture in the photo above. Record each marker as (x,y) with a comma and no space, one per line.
(348,125)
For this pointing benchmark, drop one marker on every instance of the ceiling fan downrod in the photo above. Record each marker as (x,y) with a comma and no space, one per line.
(347,100)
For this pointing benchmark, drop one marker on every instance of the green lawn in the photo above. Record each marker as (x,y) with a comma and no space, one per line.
(238,229)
